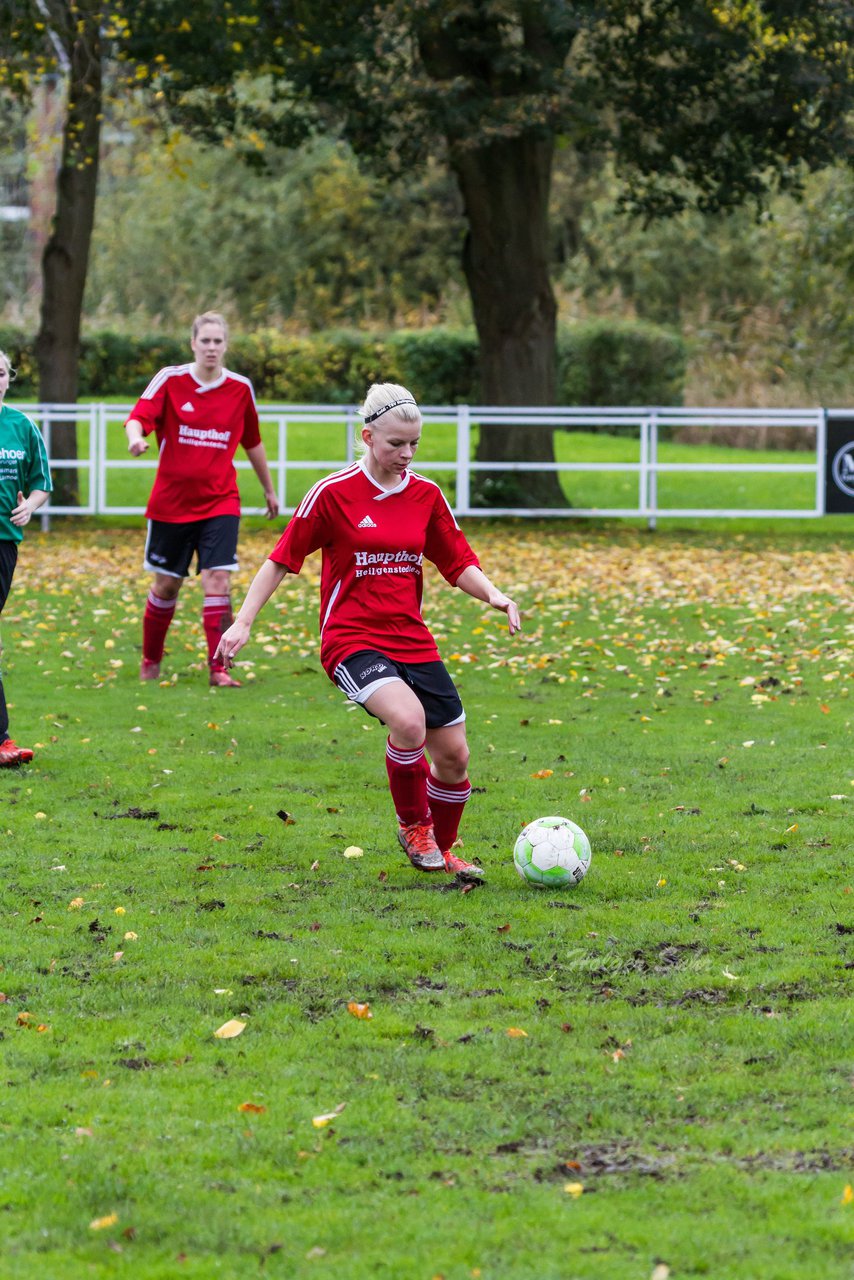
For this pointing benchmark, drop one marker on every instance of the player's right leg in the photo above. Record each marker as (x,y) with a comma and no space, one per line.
(168,552)
(372,680)
(10,753)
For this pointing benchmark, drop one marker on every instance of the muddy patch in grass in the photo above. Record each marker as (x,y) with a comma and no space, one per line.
(609,1159)
(799,1161)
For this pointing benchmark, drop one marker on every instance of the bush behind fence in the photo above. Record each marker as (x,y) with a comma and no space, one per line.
(599,363)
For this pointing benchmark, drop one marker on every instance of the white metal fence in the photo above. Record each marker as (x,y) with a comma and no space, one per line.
(102,455)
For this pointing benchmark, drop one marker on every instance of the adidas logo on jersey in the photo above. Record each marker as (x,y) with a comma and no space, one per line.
(367,523)
(187,408)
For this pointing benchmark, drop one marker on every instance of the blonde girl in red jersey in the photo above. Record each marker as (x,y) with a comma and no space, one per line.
(376,521)
(200,413)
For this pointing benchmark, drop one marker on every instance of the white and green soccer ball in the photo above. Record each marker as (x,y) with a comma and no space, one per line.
(551,852)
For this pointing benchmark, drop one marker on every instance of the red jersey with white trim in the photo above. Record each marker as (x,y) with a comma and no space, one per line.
(199,426)
(374,541)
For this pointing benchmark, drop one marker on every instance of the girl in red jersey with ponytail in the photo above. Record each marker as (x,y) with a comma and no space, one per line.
(376,521)
(200,413)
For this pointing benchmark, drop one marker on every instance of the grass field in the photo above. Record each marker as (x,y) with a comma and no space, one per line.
(648,1076)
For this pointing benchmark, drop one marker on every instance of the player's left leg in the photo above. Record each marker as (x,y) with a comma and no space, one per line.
(448,790)
(217,561)
(448,786)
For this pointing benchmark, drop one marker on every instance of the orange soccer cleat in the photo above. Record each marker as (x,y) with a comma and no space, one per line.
(11,754)
(463,870)
(420,846)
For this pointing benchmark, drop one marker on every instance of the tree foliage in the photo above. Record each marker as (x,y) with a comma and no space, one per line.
(310,241)
(700,105)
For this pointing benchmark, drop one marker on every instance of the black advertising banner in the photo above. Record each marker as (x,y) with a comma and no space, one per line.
(839,465)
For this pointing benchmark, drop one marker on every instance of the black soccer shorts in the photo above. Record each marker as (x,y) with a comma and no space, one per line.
(170,547)
(364,672)
(8,560)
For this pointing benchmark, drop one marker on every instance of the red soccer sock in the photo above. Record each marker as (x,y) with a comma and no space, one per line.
(407,782)
(155,623)
(217,617)
(447,801)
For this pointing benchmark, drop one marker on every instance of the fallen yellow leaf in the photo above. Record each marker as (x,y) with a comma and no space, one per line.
(848,1194)
(98,1224)
(359,1010)
(320,1122)
(75,904)
(353,851)
(574,1189)
(254,1108)
(230,1029)
(543,773)
(516,1033)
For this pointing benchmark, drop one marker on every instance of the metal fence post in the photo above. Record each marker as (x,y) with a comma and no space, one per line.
(652,477)
(282,463)
(351,434)
(463,502)
(643,469)
(98,454)
(820,450)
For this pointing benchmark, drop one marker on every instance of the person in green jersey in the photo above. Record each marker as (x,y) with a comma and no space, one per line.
(24,485)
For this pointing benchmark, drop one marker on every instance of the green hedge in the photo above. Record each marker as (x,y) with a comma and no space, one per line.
(599,363)
(607,362)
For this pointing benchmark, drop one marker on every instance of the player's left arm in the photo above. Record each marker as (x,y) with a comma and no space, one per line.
(23,512)
(258,457)
(475,583)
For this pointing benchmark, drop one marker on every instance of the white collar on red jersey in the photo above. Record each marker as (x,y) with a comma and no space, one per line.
(381,491)
(201,387)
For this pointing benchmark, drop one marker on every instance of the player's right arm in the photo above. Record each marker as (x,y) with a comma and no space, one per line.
(137,442)
(147,413)
(263,585)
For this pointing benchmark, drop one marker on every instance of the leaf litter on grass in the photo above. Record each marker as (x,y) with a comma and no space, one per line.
(659,657)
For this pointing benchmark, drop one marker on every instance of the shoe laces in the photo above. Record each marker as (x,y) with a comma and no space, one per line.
(419,838)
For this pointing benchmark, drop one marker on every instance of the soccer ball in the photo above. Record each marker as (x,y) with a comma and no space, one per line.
(551,852)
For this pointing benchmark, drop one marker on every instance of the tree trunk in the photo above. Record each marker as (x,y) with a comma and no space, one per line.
(505,187)
(66,254)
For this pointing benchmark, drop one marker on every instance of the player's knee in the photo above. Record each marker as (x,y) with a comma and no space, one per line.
(408,730)
(451,762)
(166,587)
(217,582)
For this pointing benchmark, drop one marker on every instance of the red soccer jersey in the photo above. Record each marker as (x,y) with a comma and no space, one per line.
(199,426)
(374,541)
